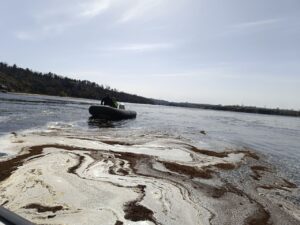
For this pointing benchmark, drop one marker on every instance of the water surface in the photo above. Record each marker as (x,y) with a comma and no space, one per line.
(277,137)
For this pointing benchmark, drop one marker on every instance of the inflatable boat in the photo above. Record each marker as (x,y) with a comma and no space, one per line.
(110,113)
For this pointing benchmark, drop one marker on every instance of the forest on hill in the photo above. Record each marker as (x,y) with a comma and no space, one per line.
(16,79)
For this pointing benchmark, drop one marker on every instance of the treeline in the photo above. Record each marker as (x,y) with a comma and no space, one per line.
(238,108)
(16,79)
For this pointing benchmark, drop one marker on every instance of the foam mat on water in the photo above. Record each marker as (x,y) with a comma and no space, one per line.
(57,177)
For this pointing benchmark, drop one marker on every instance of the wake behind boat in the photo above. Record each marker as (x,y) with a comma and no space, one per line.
(110,113)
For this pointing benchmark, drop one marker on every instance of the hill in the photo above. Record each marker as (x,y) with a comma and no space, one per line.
(16,79)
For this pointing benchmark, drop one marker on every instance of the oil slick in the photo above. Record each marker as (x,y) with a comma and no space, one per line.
(58,175)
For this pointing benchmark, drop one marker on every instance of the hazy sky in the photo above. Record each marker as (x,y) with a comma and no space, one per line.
(206,51)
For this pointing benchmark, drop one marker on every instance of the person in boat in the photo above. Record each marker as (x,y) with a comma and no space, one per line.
(107,100)
(115,102)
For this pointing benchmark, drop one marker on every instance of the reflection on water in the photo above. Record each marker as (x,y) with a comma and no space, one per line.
(100,123)
(103,123)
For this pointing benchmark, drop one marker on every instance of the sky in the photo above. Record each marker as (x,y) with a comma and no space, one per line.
(202,51)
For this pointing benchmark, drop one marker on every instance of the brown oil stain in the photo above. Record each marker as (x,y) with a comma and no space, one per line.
(261,217)
(110,142)
(134,211)
(289,184)
(208,152)
(79,163)
(224,154)
(9,166)
(41,208)
(257,171)
(188,170)
(225,166)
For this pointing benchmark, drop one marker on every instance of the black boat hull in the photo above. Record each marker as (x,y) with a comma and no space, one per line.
(109,113)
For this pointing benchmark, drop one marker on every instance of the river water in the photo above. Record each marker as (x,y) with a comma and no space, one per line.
(277,137)
(170,165)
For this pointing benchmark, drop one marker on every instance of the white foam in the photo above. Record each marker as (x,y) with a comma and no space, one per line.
(7,144)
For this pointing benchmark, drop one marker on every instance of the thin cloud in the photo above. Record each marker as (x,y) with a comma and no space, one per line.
(140,8)
(94,8)
(256,23)
(216,71)
(78,9)
(138,47)
(144,47)
(25,36)
(249,27)
(55,21)
(42,31)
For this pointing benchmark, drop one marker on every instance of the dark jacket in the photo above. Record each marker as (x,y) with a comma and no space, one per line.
(108,101)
